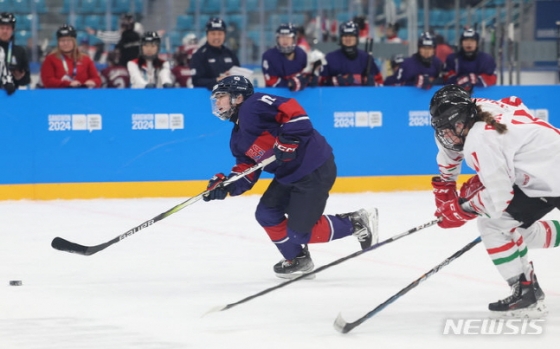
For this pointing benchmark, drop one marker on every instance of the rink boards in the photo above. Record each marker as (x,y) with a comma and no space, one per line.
(157,143)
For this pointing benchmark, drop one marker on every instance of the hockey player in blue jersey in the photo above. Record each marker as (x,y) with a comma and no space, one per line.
(392,80)
(349,65)
(423,69)
(469,67)
(291,209)
(283,65)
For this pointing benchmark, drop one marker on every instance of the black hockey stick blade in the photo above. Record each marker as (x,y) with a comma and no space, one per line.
(72,247)
(326,266)
(61,244)
(344,327)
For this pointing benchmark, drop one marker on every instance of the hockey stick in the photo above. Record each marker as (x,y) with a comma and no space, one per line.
(65,245)
(326,266)
(344,327)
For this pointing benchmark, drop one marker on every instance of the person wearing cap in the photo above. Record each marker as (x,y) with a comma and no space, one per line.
(284,64)
(423,69)
(14,64)
(470,67)
(66,65)
(396,62)
(212,61)
(148,70)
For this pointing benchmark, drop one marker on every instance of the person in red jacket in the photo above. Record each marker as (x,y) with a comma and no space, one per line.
(66,66)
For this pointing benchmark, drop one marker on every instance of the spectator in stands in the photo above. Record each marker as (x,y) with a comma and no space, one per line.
(392,80)
(349,65)
(212,62)
(189,46)
(148,70)
(283,65)
(423,69)
(182,72)
(442,48)
(392,34)
(66,66)
(363,28)
(470,67)
(114,75)
(14,64)
(301,40)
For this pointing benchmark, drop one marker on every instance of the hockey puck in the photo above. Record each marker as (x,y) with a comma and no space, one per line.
(15,283)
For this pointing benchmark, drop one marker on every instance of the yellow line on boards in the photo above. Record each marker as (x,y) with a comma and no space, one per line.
(51,191)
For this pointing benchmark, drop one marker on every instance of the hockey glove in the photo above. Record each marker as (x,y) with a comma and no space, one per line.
(285,148)
(443,190)
(150,86)
(470,188)
(345,80)
(297,83)
(216,188)
(167,85)
(452,215)
(424,82)
(467,82)
(10,88)
(312,80)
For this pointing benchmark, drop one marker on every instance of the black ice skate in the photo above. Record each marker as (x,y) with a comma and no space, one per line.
(365,223)
(292,268)
(523,301)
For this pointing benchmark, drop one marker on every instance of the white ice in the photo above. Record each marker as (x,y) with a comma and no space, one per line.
(151,289)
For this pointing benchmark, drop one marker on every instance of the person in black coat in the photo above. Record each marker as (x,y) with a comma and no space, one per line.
(14,64)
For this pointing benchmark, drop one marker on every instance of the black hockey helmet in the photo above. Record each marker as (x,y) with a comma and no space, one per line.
(66,30)
(349,28)
(8,18)
(286,29)
(216,23)
(469,34)
(150,37)
(233,85)
(426,40)
(396,61)
(452,106)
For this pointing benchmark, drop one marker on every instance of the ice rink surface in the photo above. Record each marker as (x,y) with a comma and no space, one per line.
(150,290)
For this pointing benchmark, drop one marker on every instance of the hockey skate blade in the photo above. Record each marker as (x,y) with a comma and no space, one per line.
(536,311)
(292,276)
(340,324)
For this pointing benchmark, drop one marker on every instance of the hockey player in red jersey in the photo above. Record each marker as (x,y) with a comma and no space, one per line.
(291,209)
(114,75)
(516,158)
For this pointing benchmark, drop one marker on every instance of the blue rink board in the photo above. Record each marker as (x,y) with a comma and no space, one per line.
(75,136)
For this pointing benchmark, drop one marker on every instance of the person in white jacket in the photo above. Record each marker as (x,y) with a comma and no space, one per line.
(148,70)
(516,158)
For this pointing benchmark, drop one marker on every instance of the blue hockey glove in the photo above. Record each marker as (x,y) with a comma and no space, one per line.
(285,148)
(297,83)
(216,188)
(424,82)
(150,86)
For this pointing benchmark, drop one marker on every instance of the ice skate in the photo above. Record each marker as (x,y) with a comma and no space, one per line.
(522,302)
(365,223)
(292,268)
(538,291)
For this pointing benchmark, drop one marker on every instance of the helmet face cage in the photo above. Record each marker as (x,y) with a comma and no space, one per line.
(233,86)
(286,30)
(8,18)
(451,113)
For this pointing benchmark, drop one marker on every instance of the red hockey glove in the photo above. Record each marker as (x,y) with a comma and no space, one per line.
(470,188)
(443,190)
(452,215)
(285,148)
(217,190)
